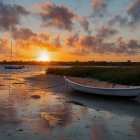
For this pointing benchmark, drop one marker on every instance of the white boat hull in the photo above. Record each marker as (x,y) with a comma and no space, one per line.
(133,91)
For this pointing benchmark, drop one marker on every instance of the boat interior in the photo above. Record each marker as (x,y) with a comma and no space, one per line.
(96,83)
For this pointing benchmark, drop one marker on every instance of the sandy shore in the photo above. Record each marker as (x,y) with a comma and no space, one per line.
(60,114)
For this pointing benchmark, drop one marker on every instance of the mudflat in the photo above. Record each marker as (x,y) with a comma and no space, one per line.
(42,107)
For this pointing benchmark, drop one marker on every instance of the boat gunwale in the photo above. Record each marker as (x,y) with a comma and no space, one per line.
(131,88)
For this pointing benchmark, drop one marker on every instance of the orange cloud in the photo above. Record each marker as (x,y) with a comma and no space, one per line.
(25,38)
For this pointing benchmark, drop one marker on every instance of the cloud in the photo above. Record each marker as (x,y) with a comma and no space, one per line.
(96,44)
(100,4)
(133,44)
(118,19)
(80,51)
(71,40)
(85,24)
(57,16)
(134,11)
(92,44)
(57,41)
(22,33)
(37,43)
(130,47)
(106,31)
(44,36)
(61,17)
(99,7)
(88,41)
(26,49)
(10,15)
(132,18)
(27,39)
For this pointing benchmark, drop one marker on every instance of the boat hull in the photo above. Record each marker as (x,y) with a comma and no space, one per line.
(14,67)
(135,91)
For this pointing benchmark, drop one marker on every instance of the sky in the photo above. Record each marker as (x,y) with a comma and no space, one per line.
(70,30)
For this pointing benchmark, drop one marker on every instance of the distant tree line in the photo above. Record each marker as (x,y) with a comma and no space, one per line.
(72,63)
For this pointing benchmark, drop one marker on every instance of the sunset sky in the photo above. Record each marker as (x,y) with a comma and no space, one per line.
(69,30)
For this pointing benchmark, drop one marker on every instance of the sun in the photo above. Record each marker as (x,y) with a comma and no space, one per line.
(43,56)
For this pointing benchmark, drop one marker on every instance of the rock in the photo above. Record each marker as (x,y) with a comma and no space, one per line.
(35,96)
(20,130)
(8,134)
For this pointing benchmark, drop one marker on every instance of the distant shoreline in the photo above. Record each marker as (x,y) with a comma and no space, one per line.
(71,63)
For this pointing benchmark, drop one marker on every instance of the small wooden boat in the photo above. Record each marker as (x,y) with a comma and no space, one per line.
(14,67)
(97,87)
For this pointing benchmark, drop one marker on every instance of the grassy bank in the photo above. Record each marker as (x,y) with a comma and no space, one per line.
(126,76)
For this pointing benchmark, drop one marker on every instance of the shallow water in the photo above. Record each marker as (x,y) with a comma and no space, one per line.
(59,114)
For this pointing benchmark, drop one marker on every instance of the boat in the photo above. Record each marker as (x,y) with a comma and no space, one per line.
(97,87)
(13,66)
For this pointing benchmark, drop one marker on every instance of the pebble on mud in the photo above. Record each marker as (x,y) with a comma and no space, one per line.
(35,96)
(8,134)
(20,130)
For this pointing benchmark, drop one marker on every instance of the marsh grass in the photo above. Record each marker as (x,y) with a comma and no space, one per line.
(125,76)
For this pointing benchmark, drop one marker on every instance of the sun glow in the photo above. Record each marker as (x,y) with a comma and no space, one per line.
(43,56)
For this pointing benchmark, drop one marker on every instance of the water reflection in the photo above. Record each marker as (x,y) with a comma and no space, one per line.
(7,110)
(63,115)
(19,104)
